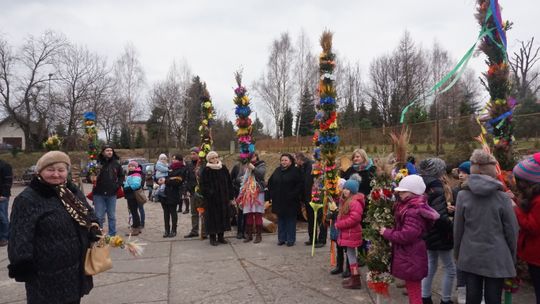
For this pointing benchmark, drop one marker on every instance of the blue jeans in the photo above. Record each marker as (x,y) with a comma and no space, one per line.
(287,229)
(141,214)
(4,219)
(449,269)
(106,204)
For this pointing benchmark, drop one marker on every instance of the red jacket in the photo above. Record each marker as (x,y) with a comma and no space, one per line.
(529,233)
(349,225)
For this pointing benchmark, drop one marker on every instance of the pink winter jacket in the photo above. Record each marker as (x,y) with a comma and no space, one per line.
(349,225)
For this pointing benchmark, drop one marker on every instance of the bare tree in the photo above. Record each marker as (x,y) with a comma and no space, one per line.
(23,80)
(275,85)
(305,71)
(79,75)
(170,96)
(129,81)
(381,85)
(523,71)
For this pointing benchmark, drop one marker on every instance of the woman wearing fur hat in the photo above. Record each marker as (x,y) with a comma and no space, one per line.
(485,232)
(52,225)
(527,174)
(217,190)
(439,240)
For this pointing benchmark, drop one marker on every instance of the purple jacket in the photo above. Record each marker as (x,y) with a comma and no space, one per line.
(349,225)
(413,218)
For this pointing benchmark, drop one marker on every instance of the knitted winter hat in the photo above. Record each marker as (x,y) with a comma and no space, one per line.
(465,167)
(195,149)
(432,167)
(50,158)
(162,156)
(351,185)
(211,155)
(483,163)
(133,163)
(412,183)
(529,169)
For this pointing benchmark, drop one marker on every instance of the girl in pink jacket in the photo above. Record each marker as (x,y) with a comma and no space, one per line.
(350,228)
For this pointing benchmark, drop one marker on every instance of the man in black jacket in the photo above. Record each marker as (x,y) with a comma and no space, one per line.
(109,179)
(306,165)
(191,183)
(6,180)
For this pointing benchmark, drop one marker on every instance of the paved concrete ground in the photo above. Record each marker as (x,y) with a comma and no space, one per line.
(177,270)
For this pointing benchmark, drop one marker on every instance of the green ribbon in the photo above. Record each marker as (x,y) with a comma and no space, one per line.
(315,207)
(458,70)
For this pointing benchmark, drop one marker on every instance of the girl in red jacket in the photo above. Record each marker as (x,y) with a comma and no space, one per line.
(350,228)
(527,174)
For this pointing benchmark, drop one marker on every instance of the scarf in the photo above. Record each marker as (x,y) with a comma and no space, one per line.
(73,205)
(364,166)
(217,166)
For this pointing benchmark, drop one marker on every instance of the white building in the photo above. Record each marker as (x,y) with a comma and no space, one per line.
(11,133)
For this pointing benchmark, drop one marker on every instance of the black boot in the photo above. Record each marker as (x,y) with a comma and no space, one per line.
(173,232)
(339,262)
(167,232)
(213,240)
(221,238)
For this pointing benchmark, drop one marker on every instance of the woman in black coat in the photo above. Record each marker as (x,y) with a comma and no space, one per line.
(174,181)
(285,189)
(362,169)
(52,226)
(217,190)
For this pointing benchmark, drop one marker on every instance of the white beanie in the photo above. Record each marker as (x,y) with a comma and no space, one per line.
(162,156)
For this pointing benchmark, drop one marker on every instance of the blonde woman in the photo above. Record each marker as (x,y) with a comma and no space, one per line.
(361,170)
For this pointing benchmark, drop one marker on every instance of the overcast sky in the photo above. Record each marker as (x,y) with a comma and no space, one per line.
(216,37)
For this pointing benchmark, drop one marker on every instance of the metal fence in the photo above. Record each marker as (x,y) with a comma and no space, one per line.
(423,136)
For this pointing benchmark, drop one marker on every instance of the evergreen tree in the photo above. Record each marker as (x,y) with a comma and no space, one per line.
(288,123)
(363,111)
(115,138)
(305,115)
(374,115)
(192,119)
(155,127)
(139,139)
(348,116)
(125,137)
(60,130)
(258,128)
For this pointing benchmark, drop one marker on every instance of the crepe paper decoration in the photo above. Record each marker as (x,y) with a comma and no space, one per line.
(243,122)
(316,206)
(495,119)
(205,128)
(325,139)
(200,211)
(486,34)
(92,140)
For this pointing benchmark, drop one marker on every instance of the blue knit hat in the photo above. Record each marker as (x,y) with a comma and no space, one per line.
(465,167)
(352,185)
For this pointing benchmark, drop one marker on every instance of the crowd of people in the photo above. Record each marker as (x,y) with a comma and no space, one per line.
(475,226)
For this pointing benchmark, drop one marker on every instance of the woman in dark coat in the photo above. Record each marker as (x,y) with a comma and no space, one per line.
(285,189)
(362,169)
(52,226)
(173,184)
(217,190)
